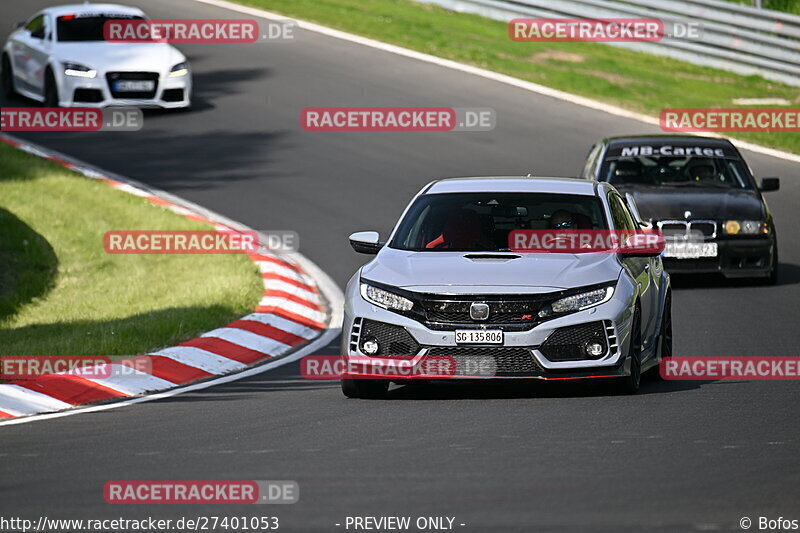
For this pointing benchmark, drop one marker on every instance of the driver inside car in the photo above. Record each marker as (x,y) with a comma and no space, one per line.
(463,230)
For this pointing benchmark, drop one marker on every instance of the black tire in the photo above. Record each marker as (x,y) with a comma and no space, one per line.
(630,384)
(665,337)
(50,90)
(772,279)
(7,78)
(365,388)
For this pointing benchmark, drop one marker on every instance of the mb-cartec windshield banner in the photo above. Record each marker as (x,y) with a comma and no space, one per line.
(668,150)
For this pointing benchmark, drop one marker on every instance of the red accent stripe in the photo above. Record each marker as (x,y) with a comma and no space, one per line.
(175,371)
(278,277)
(60,161)
(291,297)
(272,259)
(226,349)
(288,315)
(10,143)
(266,330)
(71,389)
(3,414)
(197,218)
(159,201)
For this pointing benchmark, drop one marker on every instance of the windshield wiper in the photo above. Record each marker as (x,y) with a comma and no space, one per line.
(696,184)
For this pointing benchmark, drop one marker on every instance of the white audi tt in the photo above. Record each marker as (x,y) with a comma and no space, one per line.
(59,57)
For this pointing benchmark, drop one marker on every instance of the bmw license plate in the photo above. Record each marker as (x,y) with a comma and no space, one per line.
(690,250)
(134,86)
(479,336)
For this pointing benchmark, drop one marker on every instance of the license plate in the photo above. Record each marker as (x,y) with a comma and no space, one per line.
(690,250)
(479,336)
(134,85)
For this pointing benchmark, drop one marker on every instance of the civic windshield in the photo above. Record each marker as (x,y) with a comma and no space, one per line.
(72,28)
(481,222)
(661,171)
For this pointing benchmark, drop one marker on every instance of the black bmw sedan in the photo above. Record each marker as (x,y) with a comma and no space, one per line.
(701,194)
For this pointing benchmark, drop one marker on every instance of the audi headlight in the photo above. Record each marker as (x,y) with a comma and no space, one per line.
(578,302)
(745,227)
(385,299)
(79,71)
(181,69)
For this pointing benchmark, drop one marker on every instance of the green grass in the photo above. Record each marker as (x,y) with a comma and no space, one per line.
(636,81)
(789,6)
(62,294)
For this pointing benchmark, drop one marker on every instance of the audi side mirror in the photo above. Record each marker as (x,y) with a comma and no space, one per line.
(19,24)
(366,242)
(770,184)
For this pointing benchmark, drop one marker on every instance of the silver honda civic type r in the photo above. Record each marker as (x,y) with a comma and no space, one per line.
(446,286)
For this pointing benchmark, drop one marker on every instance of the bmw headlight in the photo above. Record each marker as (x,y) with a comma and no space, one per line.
(578,302)
(79,71)
(385,299)
(745,227)
(181,69)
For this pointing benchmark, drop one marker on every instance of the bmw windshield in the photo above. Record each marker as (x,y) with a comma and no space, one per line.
(481,222)
(682,171)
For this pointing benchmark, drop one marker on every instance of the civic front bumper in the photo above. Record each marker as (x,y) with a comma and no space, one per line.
(434,354)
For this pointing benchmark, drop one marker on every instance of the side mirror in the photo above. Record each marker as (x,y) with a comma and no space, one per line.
(646,243)
(631,203)
(19,24)
(770,184)
(366,242)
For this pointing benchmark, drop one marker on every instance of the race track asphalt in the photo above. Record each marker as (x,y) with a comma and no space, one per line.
(679,456)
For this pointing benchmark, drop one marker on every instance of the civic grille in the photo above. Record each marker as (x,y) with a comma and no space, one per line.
(113,77)
(392,340)
(568,343)
(445,314)
(489,361)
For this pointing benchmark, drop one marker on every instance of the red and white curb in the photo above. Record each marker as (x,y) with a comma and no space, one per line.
(300,312)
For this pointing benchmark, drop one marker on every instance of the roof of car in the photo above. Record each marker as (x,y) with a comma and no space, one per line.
(514,184)
(693,140)
(76,9)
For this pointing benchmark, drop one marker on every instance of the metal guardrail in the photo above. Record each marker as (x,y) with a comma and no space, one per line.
(734,37)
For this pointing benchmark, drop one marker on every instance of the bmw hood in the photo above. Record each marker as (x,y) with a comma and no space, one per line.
(708,204)
(488,273)
(134,57)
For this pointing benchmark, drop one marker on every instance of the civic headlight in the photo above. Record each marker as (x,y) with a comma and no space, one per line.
(385,299)
(79,71)
(181,69)
(745,227)
(578,302)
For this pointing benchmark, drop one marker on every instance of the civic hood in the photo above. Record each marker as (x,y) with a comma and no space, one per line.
(105,56)
(710,204)
(485,273)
